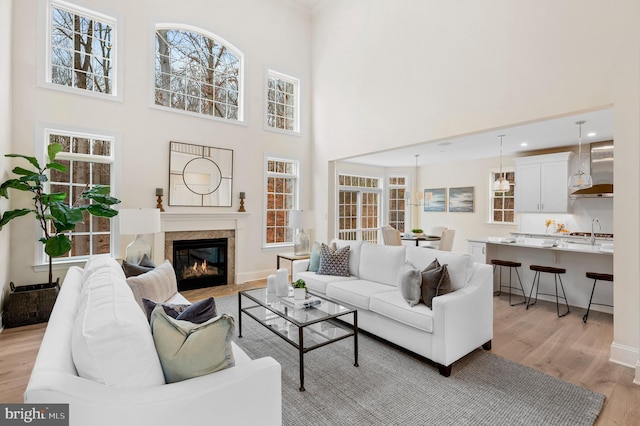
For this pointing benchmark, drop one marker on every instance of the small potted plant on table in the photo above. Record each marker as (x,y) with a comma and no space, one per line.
(299,290)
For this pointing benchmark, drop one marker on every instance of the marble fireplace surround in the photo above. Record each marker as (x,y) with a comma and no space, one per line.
(195,226)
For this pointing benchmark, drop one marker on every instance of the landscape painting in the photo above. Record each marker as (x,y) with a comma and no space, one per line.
(435,200)
(461,199)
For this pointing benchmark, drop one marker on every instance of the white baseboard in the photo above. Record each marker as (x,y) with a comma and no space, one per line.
(254,275)
(625,355)
(636,379)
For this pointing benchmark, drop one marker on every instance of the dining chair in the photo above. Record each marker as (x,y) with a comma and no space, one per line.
(446,241)
(436,230)
(391,236)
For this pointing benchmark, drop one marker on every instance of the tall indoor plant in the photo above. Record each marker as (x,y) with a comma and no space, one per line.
(54,215)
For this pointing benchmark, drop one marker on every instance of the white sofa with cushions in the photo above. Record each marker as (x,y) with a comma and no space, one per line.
(98,356)
(458,322)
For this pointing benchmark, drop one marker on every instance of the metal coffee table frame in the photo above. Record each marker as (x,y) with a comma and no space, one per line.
(274,315)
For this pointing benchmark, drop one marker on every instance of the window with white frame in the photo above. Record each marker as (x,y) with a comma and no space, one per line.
(282,102)
(282,196)
(358,207)
(396,190)
(198,72)
(503,203)
(81,49)
(89,160)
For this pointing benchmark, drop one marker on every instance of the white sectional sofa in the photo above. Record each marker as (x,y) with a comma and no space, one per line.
(458,323)
(131,389)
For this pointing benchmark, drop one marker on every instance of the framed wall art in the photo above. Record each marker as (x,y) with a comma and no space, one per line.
(435,200)
(461,199)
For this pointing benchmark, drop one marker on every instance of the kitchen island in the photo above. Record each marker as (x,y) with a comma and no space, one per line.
(577,256)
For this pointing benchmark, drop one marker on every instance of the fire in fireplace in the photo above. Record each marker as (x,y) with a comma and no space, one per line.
(200,263)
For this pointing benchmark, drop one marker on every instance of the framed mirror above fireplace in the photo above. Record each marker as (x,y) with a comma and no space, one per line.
(200,175)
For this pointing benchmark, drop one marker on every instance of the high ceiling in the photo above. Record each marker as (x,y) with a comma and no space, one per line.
(539,135)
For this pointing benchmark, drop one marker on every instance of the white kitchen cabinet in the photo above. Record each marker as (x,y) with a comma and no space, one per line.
(478,251)
(541,183)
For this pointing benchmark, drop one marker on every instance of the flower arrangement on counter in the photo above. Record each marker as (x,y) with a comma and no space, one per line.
(548,223)
(561,228)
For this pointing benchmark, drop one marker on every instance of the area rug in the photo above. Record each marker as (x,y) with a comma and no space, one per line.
(392,387)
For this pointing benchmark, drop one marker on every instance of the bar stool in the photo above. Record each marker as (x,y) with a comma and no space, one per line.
(595,276)
(556,275)
(511,265)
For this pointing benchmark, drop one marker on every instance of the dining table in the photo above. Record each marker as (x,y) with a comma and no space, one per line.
(419,238)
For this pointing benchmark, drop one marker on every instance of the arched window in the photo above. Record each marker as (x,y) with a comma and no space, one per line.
(198,72)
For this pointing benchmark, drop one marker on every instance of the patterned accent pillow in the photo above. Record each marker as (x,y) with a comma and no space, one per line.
(435,282)
(334,262)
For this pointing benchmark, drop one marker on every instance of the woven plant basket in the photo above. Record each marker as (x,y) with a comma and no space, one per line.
(30,304)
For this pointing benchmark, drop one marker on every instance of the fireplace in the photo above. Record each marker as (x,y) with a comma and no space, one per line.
(200,263)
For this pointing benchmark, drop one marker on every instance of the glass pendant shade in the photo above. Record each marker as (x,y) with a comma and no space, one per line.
(501,184)
(580,179)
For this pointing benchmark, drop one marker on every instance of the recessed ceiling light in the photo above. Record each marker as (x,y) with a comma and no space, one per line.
(524,144)
(592,134)
(444,144)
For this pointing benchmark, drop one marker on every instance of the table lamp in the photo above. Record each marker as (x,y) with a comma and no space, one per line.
(138,222)
(299,220)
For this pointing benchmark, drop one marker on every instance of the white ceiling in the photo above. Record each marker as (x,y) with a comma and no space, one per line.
(552,133)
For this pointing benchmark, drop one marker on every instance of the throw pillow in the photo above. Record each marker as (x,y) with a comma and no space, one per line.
(314,258)
(146,262)
(433,265)
(334,262)
(188,350)
(435,282)
(173,310)
(158,284)
(133,270)
(410,285)
(201,311)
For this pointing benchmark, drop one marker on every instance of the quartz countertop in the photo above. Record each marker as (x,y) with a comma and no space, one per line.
(550,243)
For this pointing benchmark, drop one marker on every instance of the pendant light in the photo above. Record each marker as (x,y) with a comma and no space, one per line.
(580,179)
(501,184)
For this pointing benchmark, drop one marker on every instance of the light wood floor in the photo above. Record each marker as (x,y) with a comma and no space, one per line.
(562,347)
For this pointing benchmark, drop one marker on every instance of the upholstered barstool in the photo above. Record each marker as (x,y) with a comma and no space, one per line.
(539,269)
(511,265)
(596,276)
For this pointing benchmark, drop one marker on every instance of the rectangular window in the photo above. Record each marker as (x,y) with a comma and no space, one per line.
(81,49)
(397,188)
(282,102)
(503,203)
(358,208)
(89,160)
(282,196)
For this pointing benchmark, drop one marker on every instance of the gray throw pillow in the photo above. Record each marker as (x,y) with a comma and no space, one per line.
(171,309)
(410,285)
(435,282)
(201,311)
(133,270)
(314,258)
(334,262)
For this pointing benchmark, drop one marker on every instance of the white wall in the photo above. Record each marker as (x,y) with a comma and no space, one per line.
(5,136)
(271,33)
(393,73)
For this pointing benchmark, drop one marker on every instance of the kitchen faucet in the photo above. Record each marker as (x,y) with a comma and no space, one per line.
(593,235)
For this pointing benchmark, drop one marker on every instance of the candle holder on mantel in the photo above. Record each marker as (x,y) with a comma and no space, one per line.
(159,193)
(241,209)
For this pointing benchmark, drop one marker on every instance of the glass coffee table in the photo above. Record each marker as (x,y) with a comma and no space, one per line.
(305,329)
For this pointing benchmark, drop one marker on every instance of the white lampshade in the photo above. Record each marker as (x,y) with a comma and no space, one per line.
(139,221)
(301,219)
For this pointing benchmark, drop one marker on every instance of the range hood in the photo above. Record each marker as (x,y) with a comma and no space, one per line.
(601,166)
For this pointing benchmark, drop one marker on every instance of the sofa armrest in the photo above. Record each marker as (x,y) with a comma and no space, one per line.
(463,320)
(220,396)
(298,266)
